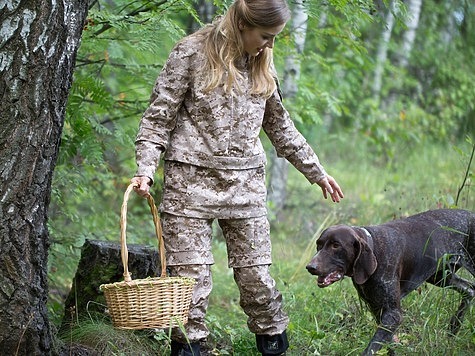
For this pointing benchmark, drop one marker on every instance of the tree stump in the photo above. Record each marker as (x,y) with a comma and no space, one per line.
(101,263)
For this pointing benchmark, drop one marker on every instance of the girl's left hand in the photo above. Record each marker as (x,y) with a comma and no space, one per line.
(330,187)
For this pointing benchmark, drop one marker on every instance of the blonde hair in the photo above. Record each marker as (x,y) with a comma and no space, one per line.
(223,45)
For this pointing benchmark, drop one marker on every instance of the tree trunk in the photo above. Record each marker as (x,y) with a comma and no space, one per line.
(382,53)
(412,23)
(402,56)
(38,44)
(279,166)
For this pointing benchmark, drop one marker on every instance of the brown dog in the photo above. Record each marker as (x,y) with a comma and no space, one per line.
(388,261)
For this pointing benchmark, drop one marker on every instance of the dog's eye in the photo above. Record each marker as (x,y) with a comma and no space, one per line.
(335,245)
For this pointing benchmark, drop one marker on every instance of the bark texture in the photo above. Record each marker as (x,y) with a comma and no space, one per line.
(38,44)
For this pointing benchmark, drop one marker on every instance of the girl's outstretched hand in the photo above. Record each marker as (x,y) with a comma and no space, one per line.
(330,187)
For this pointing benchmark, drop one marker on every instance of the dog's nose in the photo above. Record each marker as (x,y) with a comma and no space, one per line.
(311,268)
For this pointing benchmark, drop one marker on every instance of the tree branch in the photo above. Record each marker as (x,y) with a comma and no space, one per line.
(145,8)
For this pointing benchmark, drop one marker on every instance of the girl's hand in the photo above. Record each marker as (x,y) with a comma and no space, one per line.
(142,185)
(330,186)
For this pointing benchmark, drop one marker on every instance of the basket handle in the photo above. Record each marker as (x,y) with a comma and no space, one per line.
(123,227)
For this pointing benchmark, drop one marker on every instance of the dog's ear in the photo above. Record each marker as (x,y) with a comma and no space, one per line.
(365,262)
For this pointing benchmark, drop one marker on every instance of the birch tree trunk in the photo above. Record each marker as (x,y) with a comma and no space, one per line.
(277,190)
(38,44)
(404,53)
(412,23)
(382,52)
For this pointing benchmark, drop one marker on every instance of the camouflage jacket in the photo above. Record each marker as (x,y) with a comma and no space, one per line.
(214,129)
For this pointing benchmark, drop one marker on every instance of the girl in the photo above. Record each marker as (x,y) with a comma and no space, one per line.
(215,93)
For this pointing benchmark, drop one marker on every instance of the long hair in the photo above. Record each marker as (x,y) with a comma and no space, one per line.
(224,48)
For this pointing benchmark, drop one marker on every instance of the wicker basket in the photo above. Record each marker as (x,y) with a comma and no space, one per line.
(150,303)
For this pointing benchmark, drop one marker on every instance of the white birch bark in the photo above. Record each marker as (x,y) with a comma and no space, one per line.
(382,53)
(412,23)
(279,166)
(39,40)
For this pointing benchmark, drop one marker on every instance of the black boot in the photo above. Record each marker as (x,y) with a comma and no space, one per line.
(179,349)
(272,344)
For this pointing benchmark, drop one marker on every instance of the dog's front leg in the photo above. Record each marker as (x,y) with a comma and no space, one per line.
(388,321)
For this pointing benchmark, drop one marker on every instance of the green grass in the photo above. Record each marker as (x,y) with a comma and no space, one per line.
(99,336)
(333,321)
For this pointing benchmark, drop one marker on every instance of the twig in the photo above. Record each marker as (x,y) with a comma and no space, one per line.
(152,6)
(466,176)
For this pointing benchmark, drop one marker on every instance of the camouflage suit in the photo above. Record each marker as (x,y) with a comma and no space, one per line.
(215,169)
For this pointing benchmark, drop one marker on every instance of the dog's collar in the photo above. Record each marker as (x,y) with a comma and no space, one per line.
(369,237)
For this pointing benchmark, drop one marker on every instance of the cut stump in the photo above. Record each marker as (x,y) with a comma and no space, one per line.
(101,263)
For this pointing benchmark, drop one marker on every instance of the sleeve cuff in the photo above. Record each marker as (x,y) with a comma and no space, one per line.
(145,172)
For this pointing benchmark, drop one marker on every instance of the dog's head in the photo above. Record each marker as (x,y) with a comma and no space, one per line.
(342,251)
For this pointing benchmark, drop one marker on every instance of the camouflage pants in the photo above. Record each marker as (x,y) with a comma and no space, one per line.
(188,246)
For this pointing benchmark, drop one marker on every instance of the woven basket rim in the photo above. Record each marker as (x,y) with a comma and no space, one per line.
(150,281)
